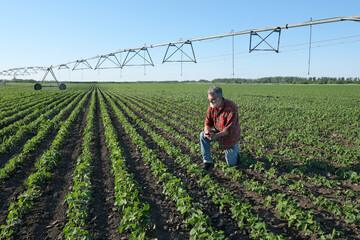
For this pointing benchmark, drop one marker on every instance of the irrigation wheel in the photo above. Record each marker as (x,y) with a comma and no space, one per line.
(62,86)
(37,86)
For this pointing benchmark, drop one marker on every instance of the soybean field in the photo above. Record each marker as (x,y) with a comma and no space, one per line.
(122,161)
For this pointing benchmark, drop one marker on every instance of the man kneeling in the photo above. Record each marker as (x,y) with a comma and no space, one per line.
(222,125)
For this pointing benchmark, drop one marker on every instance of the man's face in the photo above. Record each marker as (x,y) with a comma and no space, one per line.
(213,100)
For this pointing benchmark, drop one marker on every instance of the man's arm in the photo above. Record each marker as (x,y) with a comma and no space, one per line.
(221,134)
(209,123)
(213,136)
(207,129)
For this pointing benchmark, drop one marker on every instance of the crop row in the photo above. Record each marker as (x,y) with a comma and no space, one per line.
(304,218)
(36,180)
(301,213)
(165,111)
(348,210)
(241,211)
(35,112)
(26,129)
(19,107)
(19,113)
(309,176)
(79,198)
(266,134)
(19,97)
(45,128)
(172,186)
(127,194)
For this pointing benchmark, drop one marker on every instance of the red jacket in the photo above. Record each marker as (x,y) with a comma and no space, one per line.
(226,118)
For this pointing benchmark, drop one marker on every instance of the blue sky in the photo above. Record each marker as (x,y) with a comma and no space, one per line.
(44,33)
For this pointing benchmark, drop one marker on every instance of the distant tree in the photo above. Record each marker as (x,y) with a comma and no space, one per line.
(290,80)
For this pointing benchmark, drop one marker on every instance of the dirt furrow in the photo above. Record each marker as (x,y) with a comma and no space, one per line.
(168,115)
(14,185)
(174,107)
(219,220)
(47,216)
(18,148)
(279,226)
(328,220)
(167,221)
(104,218)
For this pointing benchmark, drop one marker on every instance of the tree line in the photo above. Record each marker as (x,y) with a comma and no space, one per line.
(291,80)
(284,80)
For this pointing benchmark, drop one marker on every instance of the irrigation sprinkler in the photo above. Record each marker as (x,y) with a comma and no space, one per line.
(39,86)
(172,48)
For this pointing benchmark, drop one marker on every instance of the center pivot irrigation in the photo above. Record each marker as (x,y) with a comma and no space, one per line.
(185,47)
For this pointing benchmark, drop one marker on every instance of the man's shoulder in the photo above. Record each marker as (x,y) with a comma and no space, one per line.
(230,105)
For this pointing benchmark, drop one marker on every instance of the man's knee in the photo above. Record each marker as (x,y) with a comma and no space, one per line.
(232,164)
(231,158)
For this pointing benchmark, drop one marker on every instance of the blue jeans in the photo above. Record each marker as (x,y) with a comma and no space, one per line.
(230,154)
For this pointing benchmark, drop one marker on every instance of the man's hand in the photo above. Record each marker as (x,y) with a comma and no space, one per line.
(210,135)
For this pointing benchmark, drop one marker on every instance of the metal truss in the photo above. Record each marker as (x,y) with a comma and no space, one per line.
(38,86)
(18,72)
(263,40)
(189,58)
(147,58)
(6,73)
(81,64)
(131,53)
(110,57)
(15,71)
(47,71)
(26,72)
(21,71)
(63,66)
(33,69)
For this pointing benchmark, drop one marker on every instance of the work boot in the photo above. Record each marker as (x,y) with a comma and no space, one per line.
(206,166)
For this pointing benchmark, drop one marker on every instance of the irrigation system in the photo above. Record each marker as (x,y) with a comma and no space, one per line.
(183,46)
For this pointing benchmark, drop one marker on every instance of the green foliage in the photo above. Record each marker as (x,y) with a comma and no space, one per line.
(279,123)
(47,161)
(296,139)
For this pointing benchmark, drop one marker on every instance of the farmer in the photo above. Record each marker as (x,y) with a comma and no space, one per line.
(222,125)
